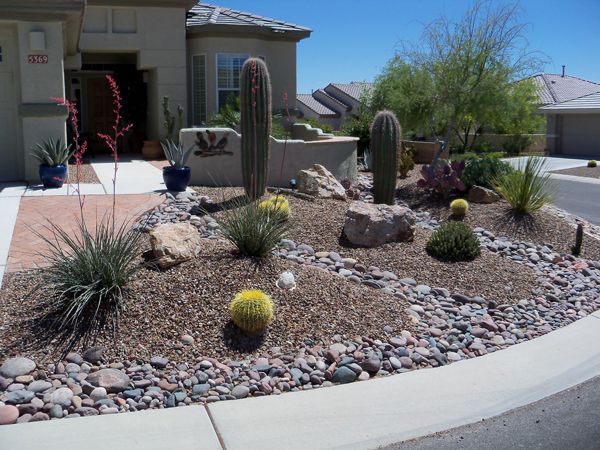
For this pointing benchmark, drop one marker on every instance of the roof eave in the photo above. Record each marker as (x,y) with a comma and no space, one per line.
(220,30)
(593,110)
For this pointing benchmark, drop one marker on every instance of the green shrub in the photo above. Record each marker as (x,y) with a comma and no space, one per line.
(474,156)
(406,161)
(252,311)
(454,241)
(316,124)
(52,152)
(87,272)
(254,230)
(527,189)
(514,144)
(459,207)
(592,163)
(482,172)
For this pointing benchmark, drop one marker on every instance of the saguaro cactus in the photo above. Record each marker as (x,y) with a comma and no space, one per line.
(255,109)
(576,249)
(385,144)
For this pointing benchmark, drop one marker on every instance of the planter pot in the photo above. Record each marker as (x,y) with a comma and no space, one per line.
(176,179)
(53,176)
(152,150)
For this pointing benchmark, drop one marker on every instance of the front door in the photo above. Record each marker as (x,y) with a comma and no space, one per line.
(99,111)
(9,163)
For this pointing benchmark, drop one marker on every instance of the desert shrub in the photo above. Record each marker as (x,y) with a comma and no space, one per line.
(514,144)
(406,162)
(277,202)
(592,163)
(469,156)
(446,177)
(87,272)
(528,188)
(229,114)
(326,128)
(254,230)
(459,207)
(252,311)
(454,241)
(482,172)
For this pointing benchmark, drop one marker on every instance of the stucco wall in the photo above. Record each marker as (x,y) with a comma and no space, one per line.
(280,57)
(338,155)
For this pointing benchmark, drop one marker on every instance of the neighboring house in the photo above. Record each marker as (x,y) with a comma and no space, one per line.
(190,52)
(572,109)
(333,104)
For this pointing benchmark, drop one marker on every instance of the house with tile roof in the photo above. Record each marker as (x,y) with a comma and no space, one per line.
(188,51)
(572,109)
(334,103)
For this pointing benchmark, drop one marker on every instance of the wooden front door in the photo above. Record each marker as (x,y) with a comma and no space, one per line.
(99,111)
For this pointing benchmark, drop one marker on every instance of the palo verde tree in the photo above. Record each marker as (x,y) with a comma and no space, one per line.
(457,74)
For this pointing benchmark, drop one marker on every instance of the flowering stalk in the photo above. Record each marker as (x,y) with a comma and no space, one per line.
(111,139)
(288,119)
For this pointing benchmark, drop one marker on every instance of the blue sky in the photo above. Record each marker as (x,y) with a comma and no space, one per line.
(353,39)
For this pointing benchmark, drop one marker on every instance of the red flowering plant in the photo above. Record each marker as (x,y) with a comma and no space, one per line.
(88,269)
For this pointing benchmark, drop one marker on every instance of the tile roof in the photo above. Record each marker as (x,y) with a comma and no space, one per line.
(205,14)
(354,89)
(313,104)
(554,88)
(331,98)
(583,103)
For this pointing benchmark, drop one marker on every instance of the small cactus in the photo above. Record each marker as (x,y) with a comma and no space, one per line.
(252,311)
(459,207)
(576,249)
(592,163)
(277,203)
(255,124)
(385,145)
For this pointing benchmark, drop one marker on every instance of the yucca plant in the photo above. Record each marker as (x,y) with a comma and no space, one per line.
(528,188)
(175,153)
(254,230)
(52,152)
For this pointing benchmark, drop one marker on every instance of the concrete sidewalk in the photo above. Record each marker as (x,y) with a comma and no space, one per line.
(354,416)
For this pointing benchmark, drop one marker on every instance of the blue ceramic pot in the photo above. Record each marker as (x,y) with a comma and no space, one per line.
(176,179)
(53,176)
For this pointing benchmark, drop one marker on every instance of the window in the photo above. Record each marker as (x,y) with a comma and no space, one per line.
(199,89)
(229,66)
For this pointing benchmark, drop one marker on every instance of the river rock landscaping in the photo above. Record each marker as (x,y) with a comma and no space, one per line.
(356,313)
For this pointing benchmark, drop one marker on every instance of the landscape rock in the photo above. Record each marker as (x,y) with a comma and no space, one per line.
(15,367)
(8,414)
(370,225)
(94,355)
(479,194)
(320,182)
(112,380)
(175,243)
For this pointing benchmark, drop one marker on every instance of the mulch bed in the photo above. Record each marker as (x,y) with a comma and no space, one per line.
(584,171)
(87,174)
(193,299)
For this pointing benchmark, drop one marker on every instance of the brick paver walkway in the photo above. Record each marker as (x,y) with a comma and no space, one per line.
(34,213)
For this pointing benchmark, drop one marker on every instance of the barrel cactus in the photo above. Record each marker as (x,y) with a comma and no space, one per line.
(385,144)
(252,311)
(255,123)
(459,207)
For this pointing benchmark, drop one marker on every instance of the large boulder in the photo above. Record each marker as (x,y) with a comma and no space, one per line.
(15,367)
(320,182)
(479,194)
(369,225)
(174,243)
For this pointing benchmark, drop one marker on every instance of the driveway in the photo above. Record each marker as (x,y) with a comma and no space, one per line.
(576,195)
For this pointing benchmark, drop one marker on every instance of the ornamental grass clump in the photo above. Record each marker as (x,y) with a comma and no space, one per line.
(459,207)
(252,311)
(254,230)
(278,203)
(453,241)
(528,188)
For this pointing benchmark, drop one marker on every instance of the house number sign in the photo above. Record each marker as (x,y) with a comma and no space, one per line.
(37,59)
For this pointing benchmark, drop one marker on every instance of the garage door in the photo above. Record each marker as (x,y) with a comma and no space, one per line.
(581,134)
(9,170)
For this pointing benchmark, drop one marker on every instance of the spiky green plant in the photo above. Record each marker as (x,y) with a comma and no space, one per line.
(254,230)
(528,188)
(52,152)
(175,153)
(255,124)
(385,145)
(453,241)
(252,311)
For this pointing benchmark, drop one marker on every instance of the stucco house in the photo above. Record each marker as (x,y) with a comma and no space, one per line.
(190,52)
(572,109)
(333,104)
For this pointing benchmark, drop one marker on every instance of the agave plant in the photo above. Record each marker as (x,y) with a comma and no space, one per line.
(52,152)
(175,153)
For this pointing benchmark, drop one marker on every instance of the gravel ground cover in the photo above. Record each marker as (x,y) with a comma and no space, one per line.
(584,171)
(86,174)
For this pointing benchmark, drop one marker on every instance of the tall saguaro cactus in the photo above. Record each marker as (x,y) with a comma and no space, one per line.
(255,109)
(385,144)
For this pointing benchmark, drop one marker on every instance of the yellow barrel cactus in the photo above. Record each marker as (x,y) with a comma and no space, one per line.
(252,310)
(592,163)
(277,203)
(459,207)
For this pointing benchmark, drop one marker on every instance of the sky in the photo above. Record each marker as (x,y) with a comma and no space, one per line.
(353,39)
